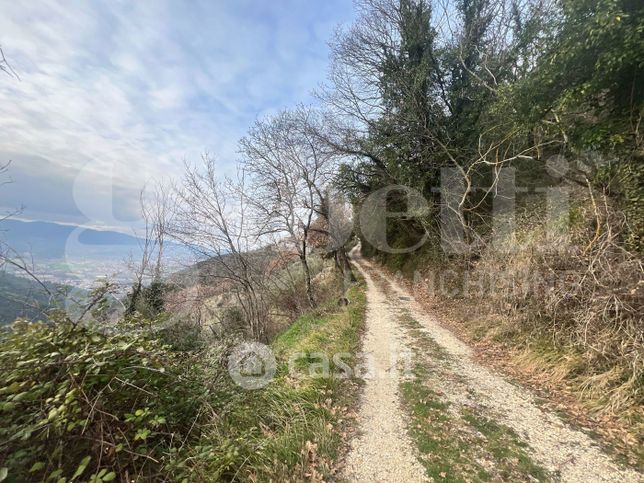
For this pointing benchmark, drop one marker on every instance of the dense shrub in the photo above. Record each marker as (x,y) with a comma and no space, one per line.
(290,430)
(287,291)
(232,320)
(183,335)
(578,288)
(82,403)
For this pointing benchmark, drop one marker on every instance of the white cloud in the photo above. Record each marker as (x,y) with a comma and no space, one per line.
(133,88)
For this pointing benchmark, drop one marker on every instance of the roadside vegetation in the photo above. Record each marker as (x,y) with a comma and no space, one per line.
(90,403)
(564,319)
(517,126)
(293,428)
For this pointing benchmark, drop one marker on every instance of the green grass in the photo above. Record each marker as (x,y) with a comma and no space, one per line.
(506,447)
(421,339)
(291,429)
(456,444)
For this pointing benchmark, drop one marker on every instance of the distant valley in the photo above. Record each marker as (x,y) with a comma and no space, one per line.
(22,297)
(76,255)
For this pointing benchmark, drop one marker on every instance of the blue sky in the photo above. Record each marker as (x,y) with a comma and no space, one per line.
(114,93)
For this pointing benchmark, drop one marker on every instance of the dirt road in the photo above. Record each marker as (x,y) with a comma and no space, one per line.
(430,412)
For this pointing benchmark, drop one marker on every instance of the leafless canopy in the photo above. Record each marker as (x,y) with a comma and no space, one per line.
(213,219)
(290,171)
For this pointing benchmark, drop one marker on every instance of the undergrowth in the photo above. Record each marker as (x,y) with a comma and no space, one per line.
(291,429)
(78,403)
(562,296)
(133,402)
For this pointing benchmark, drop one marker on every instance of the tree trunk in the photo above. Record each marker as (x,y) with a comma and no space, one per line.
(307,275)
(342,262)
(307,279)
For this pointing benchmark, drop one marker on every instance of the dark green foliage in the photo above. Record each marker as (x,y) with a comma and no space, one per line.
(153,296)
(80,401)
(181,335)
(150,400)
(511,85)
(592,64)
(585,95)
(407,84)
(147,299)
(525,83)
(22,297)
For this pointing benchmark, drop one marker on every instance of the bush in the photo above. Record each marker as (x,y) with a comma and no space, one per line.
(287,293)
(183,335)
(584,298)
(290,430)
(79,403)
(233,320)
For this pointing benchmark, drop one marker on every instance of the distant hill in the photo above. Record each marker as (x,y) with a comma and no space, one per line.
(51,240)
(209,271)
(75,255)
(24,298)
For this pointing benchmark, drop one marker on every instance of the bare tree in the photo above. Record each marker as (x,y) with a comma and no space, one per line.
(290,172)
(147,245)
(162,205)
(332,208)
(408,84)
(213,219)
(157,208)
(6,67)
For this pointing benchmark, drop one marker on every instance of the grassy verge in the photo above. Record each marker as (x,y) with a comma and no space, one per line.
(292,428)
(562,376)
